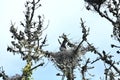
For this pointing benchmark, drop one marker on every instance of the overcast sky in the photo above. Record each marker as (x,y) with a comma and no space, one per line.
(64,17)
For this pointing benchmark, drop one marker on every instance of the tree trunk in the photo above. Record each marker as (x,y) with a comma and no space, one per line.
(70,75)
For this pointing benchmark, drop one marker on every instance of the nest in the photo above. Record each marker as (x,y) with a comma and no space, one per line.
(68,58)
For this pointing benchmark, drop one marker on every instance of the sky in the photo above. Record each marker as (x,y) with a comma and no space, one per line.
(63,17)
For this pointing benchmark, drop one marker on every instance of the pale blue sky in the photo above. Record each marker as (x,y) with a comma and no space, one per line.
(64,17)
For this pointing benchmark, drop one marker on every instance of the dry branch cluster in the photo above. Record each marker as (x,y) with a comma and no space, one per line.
(28,42)
(110,12)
